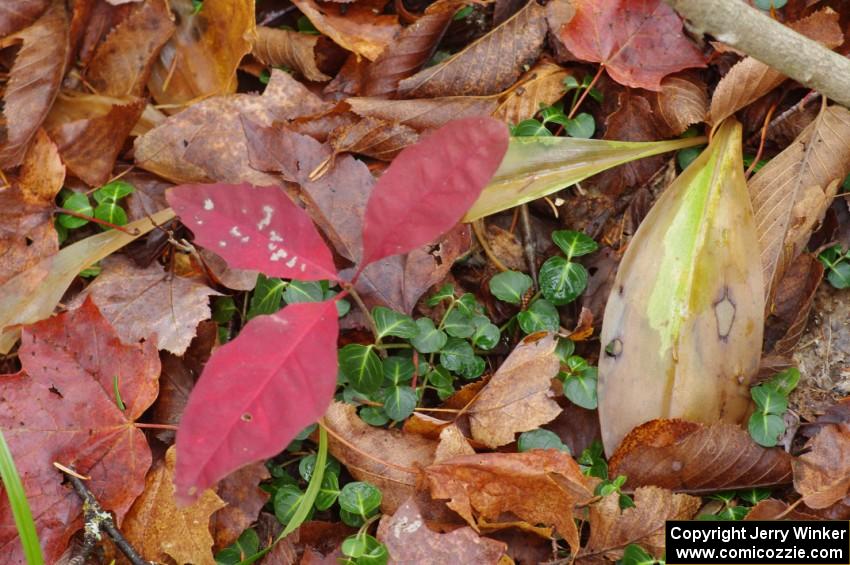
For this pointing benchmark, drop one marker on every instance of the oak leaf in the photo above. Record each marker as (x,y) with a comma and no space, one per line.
(822,476)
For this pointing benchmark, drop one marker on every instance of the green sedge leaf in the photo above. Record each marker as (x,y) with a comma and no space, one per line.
(286,502)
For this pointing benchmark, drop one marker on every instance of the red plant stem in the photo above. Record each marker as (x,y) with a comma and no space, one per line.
(95,220)
(767,118)
(586,91)
(156,426)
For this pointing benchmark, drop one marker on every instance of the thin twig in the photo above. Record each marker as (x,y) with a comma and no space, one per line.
(362,305)
(528,247)
(480,234)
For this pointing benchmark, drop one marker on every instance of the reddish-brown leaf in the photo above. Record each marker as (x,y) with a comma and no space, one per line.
(291,49)
(681,102)
(20,14)
(62,407)
(373,138)
(691,457)
(357,27)
(424,113)
(822,475)
(792,302)
(244,498)
(639,41)
(773,509)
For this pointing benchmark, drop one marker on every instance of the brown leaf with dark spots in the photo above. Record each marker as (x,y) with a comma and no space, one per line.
(424,113)
(518,397)
(373,138)
(751,79)
(542,86)
(612,528)
(539,486)
(691,457)
(409,540)
(792,303)
(389,459)
(159,529)
(822,475)
(121,65)
(290,49)
(20,14)
(411,49)
(487,66)
(33,81)
(357,27)
(244,498)
(681,102)
(90,131)
(792,192)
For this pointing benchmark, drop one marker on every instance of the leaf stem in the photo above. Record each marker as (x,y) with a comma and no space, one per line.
(94,220)
(584,94)
(362,305)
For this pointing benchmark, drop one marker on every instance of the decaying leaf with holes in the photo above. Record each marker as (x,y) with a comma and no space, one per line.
(682,331)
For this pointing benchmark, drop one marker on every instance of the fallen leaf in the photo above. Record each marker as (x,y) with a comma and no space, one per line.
(452,444)
(751,79)
(792,192)
(409,540)
(244,498)
(541,86)
(423,113)
(518,397)
(33,81)
(681,102)
(695,458)
(150,303)
(201,57)
(773,509)
(638,42)
(612,528)
(357,27)
(389,459)
(291,49)
(23,14)
(795,295)
(62,407)
(487,66)
(822,475)
(373,138)
(539,487)
(158,528)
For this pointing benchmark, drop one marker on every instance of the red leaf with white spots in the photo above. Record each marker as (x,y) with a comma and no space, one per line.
(257,228)
(639,41)
(256,393)
(430,185)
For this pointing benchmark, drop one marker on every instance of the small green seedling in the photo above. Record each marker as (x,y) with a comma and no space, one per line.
(636,555)
(767,423)
(540,439)
(837,264)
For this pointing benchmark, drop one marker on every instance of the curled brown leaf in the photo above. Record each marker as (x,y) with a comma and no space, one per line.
(290,49)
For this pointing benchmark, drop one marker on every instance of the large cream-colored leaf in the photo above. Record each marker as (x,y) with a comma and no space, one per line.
(682,331)
(535,167)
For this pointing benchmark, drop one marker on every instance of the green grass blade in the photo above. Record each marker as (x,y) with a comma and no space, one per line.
(20,507)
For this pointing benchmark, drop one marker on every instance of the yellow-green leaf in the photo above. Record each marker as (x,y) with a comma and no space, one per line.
(535,167)
(683,327)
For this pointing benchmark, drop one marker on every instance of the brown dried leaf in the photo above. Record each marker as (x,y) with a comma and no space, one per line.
(141,303)
(681,102)
(356,27)
(773,509)
(452,444)
(542,86)
(121,65)
(487,66)
(159,529)
(409,540)
(389,459)
(793,191)
(793,301)
(424,113)
(751,79)
(202,55)
(518,397)
(373,138)
(244,498)
(539,487)
(33,81)
(21,14)
(290,49)
(822,476)
(612,529)
(691,457)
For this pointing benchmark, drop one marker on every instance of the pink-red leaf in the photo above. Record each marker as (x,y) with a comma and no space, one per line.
(256,393)
(430,185)
(257,228)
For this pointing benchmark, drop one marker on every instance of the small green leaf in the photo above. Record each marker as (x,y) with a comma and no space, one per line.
(565,348)
(687,156)
(455,354)
(308,464)
(769,400)
(360,498)
(582,126)
(636,555)
(247,544)
(400,402)
(786,381)
(446,292)
(441,377)
(392,323)
(562,281)
(365,550)
(458,324)
(581,389)
(428,339)
(540,439)
(510,286)
(839,275)
(112,213)
(266,296)
(570,83)
(374,415)
(328,492)
(223,309)
(754,495)
(540,316)
(79,203)
(113,191)
(462,13)
(286,502)
(592,461)
(768,4)
(574,243)
(468,305)
(398,370)
(473,369)
(303,291)
(766,429)
(362,367)
(530,128)
(486,335)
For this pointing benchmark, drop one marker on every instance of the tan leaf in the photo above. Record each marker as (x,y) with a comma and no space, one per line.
(290,49)
(539,487)
(793,300)
(21,14)
(518,397)
(160,529)
(373,138)
(612,528)
(389,459)
(452,444)
(487,66)
(822,476)
(409,540)
(423,113)
(141,303)
(356,27)
(681,102)
(691,457)
(751,79)
(33,81)
(121,65)
(773,509)
(201,57)
(792,192)
(542,86)
(244,498)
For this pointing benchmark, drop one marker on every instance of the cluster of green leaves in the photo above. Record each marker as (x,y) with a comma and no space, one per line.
(736,504)
(592,463)
(106,208)
(836,261)
(363,549)
(767,424)
(582,125)
(636,555)
(247,545)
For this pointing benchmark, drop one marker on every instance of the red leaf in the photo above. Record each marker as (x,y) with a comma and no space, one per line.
(639,41)
(430,185)
(257,228)
(256,393)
